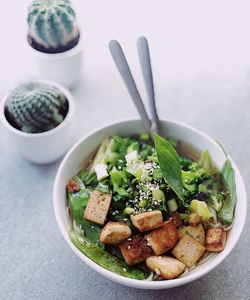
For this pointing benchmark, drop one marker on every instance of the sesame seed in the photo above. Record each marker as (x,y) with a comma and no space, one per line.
(129,247)
(124,269)
(129,239)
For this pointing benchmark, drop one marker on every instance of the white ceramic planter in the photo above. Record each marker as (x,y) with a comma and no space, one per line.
(48,146)
(64,67)
(72,162)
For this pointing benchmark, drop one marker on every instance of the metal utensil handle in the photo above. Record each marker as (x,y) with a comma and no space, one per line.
(123,67)
(145,61)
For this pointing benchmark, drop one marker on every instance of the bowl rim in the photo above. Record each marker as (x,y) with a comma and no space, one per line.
(68,117)
(146,284)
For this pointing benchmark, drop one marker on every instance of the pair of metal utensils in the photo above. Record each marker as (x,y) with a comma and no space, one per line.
(150,124)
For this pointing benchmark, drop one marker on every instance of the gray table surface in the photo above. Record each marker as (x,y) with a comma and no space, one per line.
(201,61)
(37,263)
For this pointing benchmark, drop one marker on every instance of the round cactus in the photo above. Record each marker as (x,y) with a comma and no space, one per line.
(52,26)
(36,107)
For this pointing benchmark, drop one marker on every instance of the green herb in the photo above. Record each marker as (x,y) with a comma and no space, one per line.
(105,259)
(78,203)
(185,162)
(133,147)
(170,164)
(143,203)
(103,187)
(119,179)
(157,174)
(226,213)
(88,178)
(91,231)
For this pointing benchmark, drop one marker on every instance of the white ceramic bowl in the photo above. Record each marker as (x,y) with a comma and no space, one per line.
(48,146)
(81,150)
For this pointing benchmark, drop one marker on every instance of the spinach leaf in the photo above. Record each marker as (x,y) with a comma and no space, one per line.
(91,231)
(226,213)
(169,164)
(78,203)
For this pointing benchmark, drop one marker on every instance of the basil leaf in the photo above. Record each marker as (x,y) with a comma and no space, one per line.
(226,213)
(169,164)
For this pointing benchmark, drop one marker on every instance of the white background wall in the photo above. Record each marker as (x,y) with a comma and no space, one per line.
(200,52)
(187,37)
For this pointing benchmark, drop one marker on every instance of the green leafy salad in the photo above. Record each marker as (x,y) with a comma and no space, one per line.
(143,211)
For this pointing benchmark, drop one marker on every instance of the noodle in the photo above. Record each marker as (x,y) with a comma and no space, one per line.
(207,256)
(185,273)
(228,227)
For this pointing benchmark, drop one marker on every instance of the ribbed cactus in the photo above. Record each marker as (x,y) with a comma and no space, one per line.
(36,107)
(52,25)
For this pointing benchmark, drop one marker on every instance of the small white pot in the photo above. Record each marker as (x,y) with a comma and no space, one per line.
(64,67)
(48,146)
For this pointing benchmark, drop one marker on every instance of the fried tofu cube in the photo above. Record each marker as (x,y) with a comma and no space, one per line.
(188,250)
(165,266)
(147,220)
(182,231)
(196,232)
(114,233)
(97,208)
(194,219)
(215,239)
(177,219)
(164,238)
(135,249)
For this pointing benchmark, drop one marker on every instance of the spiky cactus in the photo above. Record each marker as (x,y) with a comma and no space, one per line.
(36,107)
(52,25)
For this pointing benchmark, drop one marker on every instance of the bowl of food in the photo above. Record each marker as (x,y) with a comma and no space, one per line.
(150,213)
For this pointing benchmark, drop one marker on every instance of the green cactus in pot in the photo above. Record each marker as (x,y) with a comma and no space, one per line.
(36,107)
(52,26)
